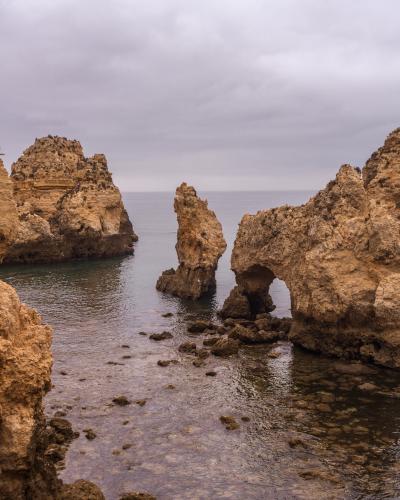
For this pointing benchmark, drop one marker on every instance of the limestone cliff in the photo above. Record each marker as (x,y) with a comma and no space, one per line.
(339,255)
(199,247)
(8,212)
(25,368)
(67,204)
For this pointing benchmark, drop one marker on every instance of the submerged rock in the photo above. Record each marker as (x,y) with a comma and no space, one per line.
(199,247)
(200,326)
(138,496)
(339,256)
(68,206)
(247,336)
(225,347)
(187,347)
(161,336)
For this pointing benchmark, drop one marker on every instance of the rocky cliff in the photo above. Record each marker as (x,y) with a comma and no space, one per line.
(67,204)
(339,255)
(26,471)
(199,247)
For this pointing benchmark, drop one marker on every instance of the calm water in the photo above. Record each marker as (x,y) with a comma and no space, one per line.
(179,449)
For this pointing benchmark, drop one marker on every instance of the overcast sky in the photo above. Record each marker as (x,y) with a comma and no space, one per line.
(222,94)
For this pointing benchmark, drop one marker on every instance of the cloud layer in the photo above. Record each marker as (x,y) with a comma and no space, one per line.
(244,95)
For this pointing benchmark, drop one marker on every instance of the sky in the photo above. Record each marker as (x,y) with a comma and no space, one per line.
(222,94)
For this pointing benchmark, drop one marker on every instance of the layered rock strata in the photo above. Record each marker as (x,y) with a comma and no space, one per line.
(26,470)
(68,206)
(199,247)
(339,255)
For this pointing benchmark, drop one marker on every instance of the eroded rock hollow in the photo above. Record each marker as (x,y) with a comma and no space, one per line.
(68,206)
(200,245)
(339,255)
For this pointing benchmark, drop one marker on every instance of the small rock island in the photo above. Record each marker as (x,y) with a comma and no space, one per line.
(200,245)
(68,206)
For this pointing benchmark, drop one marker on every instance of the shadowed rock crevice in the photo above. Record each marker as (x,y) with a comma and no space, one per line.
(200,245)
(68,206)
(339,255)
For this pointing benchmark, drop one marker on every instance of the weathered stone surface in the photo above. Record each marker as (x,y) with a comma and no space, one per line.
(339,255)
(249,337)
(8,212)
(138,496)
(187,347)
(67,204)
(199,326)
(80,490)
(240,304)
(161,336)
(225,347)
(199,247)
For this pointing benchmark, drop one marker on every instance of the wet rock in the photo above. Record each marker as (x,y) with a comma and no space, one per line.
(245,418)
(201,353)
(81,379)
(126,422)
(143,333)
(161,336)
(325,476)
(273,354)
(167,315)
(60,413)
(297,443)
(368,387)
(138,496)
(170,387)
(199,247)
(323,407)
(62,372)
(389,394)
(140,402)
(187,347)
(127,446)
(80,490)
(121,401)
(209,332)
(227,419)
(221,330)
(232,427)
(125,346)
(62,426)
(210,342)
(247,336)
(198,363)
(91,435)
(240,304)
(161,362)
(126,357)
(199,326)
(211,374)
(225,347)
(117,453)
(55,452)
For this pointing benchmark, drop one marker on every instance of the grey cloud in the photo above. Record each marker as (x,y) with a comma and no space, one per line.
(249,94)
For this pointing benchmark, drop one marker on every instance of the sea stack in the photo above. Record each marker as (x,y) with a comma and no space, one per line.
(339,255)
(200,245)
(27,472)
(68,206)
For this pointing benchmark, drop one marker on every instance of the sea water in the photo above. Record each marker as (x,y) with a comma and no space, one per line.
(347,441)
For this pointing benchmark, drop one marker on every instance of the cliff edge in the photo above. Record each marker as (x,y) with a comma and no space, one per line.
(68,206)
(339,255)
(200,245)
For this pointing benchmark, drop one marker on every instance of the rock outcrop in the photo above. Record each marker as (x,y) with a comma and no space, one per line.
(68,206)
(199,247)
(26,470)
(339,255)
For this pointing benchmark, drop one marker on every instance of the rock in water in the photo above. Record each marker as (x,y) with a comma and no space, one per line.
(68,206)
(200,245)
(339,255)
(240,304)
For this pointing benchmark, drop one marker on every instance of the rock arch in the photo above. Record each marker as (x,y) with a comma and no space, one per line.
(339,255)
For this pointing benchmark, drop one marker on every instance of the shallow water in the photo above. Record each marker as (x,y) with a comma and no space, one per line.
(180,449)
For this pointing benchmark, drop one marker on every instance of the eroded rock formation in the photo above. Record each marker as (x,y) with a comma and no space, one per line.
(26,473)
(199,247)
(67,204)
(339,255)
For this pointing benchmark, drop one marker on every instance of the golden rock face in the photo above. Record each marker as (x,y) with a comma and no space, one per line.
(339,255)
(8,212)
(200,245)
(68,205)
